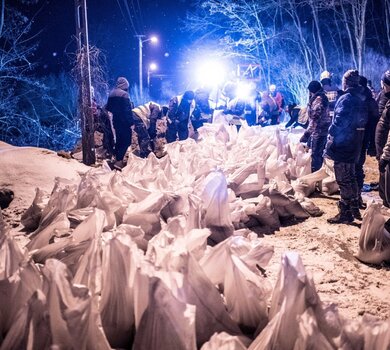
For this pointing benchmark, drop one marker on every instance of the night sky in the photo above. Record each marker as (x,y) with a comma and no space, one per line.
(111,30)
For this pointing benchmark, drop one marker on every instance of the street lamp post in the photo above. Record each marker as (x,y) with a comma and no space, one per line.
(154,40)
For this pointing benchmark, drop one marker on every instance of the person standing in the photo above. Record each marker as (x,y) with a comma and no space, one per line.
(382,140)
(179,111)
(319,122)
(345,139)
(145,125)
(120,106)
(279,100)
(368,146)
(332,92)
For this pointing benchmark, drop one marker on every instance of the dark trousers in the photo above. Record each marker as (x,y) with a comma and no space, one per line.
(346,179)
(359,169)
(384,187)
(317,145)
(177,129)
(123,140)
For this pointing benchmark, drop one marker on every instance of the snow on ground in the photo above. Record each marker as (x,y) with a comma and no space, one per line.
(326,250)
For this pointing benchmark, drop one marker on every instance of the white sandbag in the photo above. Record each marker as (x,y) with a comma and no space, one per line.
(32,216)
(216,206)
(223,341)
(62,200)
(30,327)
(307,184)
(146,213)
(294,293)
(15,291)
(211,314)
(42,238)
(73,322)
(263,212)
(309,336)
(246,294)
(117,301)
(167,323)
(329,185)
(374,240)
(11,255)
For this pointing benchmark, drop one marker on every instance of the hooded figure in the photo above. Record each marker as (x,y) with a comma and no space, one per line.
(120,106)
(368,146)
(179,111)
(319,122)
(382,139)
(344,144)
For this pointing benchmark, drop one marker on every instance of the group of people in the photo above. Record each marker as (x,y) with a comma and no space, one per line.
(189,109)
(345,125)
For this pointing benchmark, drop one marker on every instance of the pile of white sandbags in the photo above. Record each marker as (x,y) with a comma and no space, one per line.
(159,256)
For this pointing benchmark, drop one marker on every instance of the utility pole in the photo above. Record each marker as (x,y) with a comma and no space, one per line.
(140,45)
(84,82)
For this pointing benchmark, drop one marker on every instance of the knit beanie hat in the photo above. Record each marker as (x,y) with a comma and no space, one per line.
(314,86)
(351,78)
(386,77)
(122,83)
(188,95)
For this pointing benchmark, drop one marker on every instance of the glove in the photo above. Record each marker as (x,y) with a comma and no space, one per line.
(383,163)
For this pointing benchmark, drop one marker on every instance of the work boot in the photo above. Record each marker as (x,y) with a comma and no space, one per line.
(344,216)
(355,209)
(362,205)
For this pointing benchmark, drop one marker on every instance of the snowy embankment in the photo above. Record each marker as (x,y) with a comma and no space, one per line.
(170,254)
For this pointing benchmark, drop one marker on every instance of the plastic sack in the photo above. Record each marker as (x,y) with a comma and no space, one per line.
(374,241)
(166,323)
(32,216)
(211,314)
(293,294)
(329,185)
(146,213)
(73,321)
(216,206)
(15,291)
(223,341)
(117,297)
(246,294)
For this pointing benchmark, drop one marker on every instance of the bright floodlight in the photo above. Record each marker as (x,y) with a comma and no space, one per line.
(154,39)
(211,73)
(244,90)
(153,66)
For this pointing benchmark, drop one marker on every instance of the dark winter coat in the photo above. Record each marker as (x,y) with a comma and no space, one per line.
(319,118)
(382,141)
(179,111)
(120,106)
(345,137)
(382,99)
(372,121)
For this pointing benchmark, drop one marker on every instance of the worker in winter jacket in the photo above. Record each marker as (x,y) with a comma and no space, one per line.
(319,122)
(368,146)
(180,110)
(382,139)
(345,139)
(332,92)
(269,114)
(120,106)
(145,125)
(279,100)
